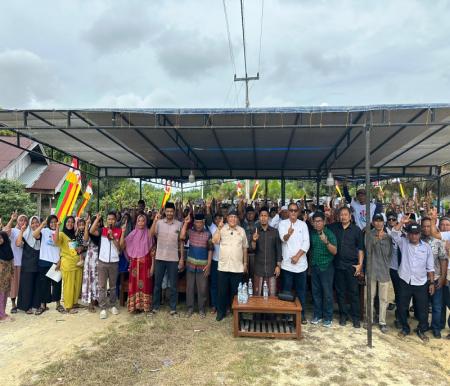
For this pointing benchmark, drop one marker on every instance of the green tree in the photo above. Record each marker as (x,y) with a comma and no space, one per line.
(13,196)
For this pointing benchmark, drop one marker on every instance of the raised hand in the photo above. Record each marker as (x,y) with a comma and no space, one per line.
(157,216)
(23,227)
(187,219)
(405,219)
(124,225)
(220,226)
(323,237)
(433,213)
(290,230)
(255,235)
(14,215)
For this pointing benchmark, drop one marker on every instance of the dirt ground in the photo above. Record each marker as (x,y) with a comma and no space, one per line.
(162,350)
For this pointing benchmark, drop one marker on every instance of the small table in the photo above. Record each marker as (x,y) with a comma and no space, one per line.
(267,328)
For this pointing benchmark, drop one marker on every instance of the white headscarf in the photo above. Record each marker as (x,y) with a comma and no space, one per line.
(28,236)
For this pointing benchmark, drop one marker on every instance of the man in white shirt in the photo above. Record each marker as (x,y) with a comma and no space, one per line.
(218,218)
(359,206)
(108,261)
(294,236)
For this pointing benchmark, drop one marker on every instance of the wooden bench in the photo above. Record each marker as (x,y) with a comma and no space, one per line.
(267,328)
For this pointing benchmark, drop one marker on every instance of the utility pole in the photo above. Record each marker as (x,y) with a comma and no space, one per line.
(247,78)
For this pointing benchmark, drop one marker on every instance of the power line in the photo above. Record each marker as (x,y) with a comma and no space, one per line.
(243,36)
(230,46)
(245,79)
(260,36)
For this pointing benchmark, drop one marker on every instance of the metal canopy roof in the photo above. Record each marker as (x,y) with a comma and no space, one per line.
(291,143)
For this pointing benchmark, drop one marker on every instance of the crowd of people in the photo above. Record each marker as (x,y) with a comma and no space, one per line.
(214,246)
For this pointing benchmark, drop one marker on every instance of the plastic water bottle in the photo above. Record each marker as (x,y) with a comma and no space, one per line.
(250,288)
(265,290)
(240,293)
(244,293)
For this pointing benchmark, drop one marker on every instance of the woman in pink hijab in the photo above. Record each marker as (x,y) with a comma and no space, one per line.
(138,247)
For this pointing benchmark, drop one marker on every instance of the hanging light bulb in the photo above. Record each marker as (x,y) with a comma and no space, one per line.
(330,180)
(191,177)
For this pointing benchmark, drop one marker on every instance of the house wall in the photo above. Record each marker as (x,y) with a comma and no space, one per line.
(15,170)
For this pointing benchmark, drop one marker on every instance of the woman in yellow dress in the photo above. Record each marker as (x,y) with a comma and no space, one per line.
(72,274)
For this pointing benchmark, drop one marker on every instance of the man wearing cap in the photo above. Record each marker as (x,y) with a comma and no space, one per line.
(249,224)
(169,255)
(283,215)
(379,247)
(348,265)
(294,236)
(198,262)
(323,250)
(267,247)
(395,262)
(232,261)
(359,206)
(416,274)
(440,274)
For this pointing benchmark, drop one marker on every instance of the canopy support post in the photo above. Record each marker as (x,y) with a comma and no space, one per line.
(369,305)
(265,190)
(283,191)
(98,194)
(317,190)
(439,192)
(140,188)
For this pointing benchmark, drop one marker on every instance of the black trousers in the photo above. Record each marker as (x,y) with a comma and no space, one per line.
(28,291)
(419,293)
(346,284)
(228,283)
(396,285)
(49,290)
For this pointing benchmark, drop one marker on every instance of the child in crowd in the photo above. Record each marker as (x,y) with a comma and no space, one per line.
(81,244)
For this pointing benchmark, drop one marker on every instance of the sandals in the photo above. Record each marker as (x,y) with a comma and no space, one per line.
(29,312)
(40,311)
(14,310)
(72,311)
(61,309)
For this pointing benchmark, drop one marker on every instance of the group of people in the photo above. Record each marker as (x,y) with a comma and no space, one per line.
(216,246)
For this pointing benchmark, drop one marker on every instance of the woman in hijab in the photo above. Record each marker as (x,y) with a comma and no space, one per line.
(29,274)
(72,274)
(138,246)
(49,254)
(13,233)
(6,273)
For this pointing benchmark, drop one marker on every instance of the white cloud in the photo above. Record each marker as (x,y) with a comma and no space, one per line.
(130,53)
(26,80)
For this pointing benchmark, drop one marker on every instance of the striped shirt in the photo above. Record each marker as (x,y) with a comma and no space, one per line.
(199,245)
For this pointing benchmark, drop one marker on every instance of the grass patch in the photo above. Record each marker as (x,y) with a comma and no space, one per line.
(312,370)
(164,350)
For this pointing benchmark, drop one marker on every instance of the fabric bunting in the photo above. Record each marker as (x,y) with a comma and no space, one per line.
(86,197)
(167,192)
(255,189)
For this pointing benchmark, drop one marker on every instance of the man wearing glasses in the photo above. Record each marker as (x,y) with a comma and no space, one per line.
(323,250)
(295,244)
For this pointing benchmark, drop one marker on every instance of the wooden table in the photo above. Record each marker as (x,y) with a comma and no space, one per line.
(267,328)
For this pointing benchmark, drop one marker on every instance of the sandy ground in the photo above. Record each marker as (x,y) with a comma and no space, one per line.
(32,342)
(324,356)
